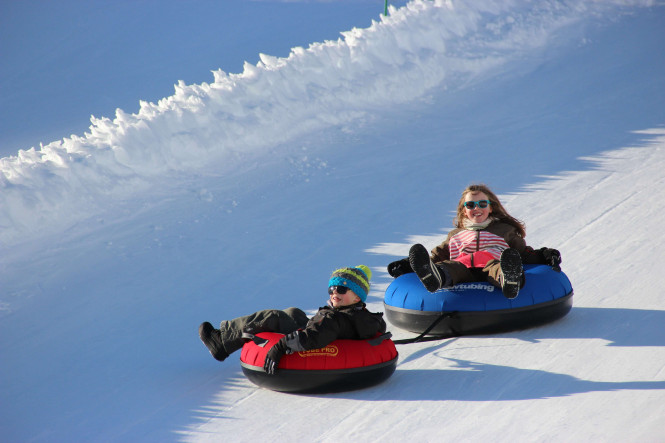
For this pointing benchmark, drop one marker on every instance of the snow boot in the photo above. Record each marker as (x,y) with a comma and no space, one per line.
(212,338)
(426,271)
(511,273)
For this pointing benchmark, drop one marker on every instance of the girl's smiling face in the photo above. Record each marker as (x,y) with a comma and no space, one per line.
(477,214)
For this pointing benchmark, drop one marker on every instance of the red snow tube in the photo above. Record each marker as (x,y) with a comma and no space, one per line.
(343,365)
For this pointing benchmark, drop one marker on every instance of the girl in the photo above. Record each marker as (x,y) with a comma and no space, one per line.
(487,244)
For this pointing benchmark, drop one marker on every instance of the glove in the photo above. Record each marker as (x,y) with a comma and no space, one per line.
(274,355)
(552,257)
(292,341)
(399,267)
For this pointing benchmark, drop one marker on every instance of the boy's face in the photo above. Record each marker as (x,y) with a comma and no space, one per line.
(338,300)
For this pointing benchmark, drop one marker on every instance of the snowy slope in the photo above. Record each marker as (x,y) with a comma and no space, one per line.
(245,193)
(65,61)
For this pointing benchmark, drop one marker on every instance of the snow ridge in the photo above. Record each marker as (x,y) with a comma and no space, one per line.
(422,46)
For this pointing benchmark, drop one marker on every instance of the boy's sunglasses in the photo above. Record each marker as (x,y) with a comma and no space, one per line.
(480,203)
(340,289)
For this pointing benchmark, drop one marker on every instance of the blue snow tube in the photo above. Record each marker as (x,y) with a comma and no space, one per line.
(479,307)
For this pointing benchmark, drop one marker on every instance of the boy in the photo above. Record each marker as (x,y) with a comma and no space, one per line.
(344,317)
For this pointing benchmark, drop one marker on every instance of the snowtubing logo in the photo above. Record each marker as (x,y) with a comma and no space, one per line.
(326,351)
(479,286)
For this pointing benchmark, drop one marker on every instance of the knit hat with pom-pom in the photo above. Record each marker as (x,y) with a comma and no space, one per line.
(356,279)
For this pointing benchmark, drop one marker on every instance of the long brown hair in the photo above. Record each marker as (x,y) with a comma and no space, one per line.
(498,211)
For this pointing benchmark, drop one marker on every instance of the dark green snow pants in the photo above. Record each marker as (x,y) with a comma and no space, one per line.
(269,320)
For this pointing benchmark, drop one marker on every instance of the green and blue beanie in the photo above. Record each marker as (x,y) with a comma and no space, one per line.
(356,279)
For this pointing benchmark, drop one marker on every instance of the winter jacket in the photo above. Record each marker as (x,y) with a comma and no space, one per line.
(328,324)
(475,248)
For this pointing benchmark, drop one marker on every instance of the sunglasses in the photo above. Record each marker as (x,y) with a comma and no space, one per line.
(340,289)
(480,203)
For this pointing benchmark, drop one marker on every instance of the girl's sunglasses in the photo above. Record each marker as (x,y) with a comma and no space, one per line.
(480,203)
(340,289)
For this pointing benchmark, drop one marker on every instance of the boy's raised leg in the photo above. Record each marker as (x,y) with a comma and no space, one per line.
(212,338)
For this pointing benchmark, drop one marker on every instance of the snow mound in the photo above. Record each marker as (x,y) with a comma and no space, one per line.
(425,45)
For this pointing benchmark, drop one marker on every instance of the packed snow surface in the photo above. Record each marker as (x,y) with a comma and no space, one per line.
(245,192)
